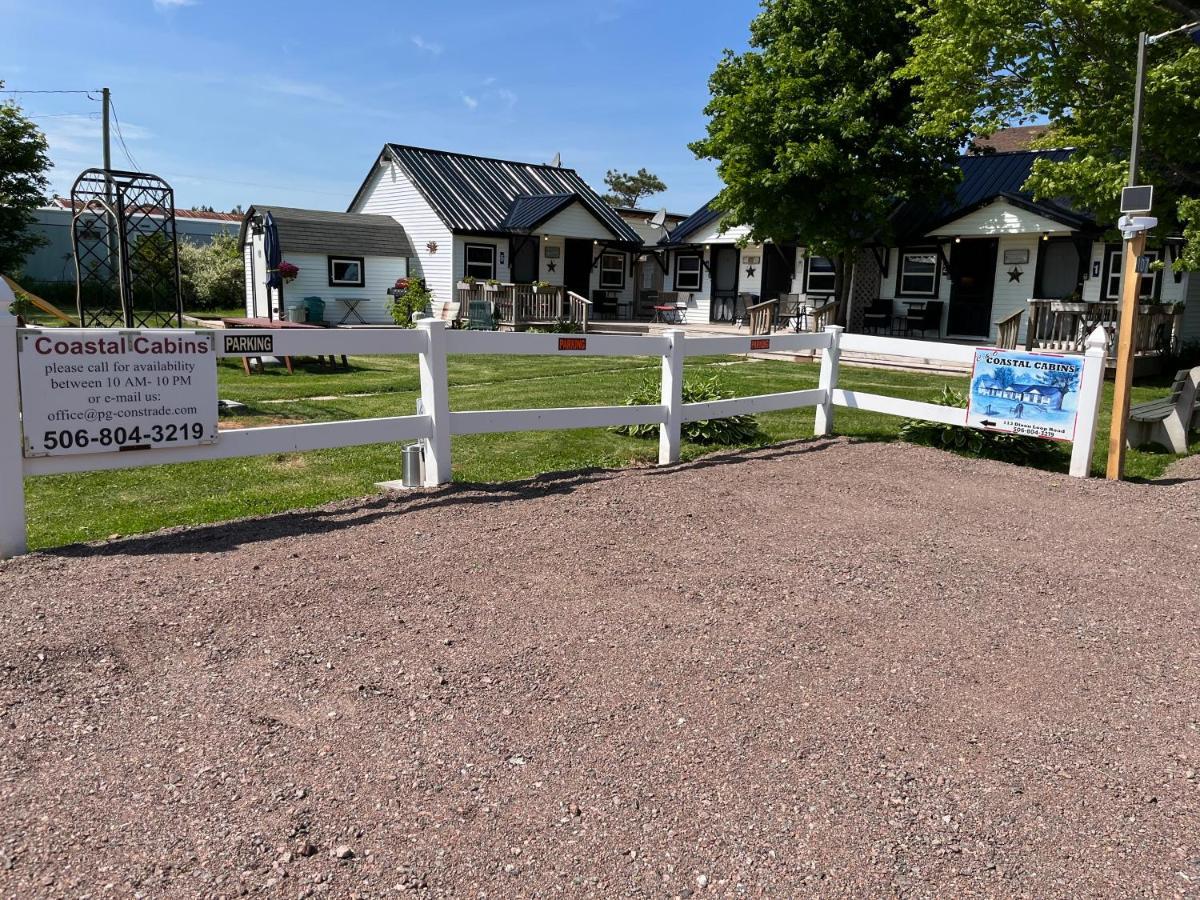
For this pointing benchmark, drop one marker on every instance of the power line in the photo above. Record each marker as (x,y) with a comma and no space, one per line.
(121,137)
(89,93)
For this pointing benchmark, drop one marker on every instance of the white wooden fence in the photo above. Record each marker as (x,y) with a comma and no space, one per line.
(436,424)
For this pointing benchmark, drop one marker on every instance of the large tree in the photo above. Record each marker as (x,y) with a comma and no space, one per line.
(814,134)
(627,189)
(23,182)
(982,64)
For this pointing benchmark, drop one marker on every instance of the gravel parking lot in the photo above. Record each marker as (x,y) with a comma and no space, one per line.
(827,669)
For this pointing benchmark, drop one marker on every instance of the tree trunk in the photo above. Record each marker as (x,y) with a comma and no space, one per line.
(843,276)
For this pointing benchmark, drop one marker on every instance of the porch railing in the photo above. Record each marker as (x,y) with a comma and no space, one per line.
(1064,325)
(519,305)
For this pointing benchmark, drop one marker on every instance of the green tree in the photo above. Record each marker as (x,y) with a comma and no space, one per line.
(981,64)
(23,181)
(813,132)
(626,189)
(213,274)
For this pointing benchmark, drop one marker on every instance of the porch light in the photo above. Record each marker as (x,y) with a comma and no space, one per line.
(1045,235)
(958,240)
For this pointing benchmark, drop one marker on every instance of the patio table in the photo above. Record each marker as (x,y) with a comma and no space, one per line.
(351,304)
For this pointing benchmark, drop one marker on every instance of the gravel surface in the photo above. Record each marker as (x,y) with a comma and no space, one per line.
(827,669)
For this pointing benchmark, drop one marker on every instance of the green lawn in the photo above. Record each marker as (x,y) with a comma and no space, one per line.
(67,508)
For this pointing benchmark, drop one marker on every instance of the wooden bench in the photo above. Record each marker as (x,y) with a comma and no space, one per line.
(445,311)
(1168,420)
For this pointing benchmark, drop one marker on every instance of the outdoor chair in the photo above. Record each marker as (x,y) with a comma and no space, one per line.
(480,316)
(928,317)
(604,304)
(878,315)
(1167,421)
(791,311)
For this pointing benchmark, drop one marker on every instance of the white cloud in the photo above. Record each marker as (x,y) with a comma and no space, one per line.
(307,90)
(173,4)
(507,97)
(428,46)
(470,101)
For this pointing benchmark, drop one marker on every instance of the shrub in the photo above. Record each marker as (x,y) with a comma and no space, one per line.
(411,297)
(726,432)
(1013,448)
(213,274)
(560,326)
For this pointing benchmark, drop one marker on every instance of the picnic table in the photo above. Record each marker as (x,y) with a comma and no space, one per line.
(274,324)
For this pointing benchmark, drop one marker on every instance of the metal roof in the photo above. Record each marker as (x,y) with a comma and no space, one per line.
(986,177)
(527,213)
(321,231)
(474,194)
(693,223)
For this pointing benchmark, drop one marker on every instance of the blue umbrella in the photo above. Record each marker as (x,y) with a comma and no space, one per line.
(274,256)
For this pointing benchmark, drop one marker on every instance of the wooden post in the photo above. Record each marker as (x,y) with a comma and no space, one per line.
(435,399)
(1091,388)
(1131,282)
(12,486)
(823,422)
(672,398)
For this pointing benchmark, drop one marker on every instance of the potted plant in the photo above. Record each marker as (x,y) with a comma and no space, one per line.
(542,287)
(288,271)
(492,284)
(467,284)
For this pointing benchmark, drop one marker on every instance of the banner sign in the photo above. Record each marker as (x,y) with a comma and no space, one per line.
(96,392)
(1034,394)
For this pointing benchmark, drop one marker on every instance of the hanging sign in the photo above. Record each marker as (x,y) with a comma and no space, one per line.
(100,391)
(1034,394)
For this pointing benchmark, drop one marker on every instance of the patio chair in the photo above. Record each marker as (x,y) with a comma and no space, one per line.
(480,316)
(926,318)
(1167,421)
(878,315)
(791,311)
(604,304)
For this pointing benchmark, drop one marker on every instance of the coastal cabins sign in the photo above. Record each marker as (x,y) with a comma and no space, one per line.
(1034,394)
(97,392)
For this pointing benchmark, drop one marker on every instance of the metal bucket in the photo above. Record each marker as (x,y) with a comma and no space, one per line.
(413,465)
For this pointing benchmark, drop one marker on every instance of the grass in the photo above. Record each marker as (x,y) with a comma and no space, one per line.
(68,508)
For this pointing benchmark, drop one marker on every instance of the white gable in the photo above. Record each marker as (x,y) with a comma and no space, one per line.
(576,222)
(711,234)
(1001,217)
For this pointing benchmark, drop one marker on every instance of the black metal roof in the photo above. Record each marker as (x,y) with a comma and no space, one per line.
(527,213)
(987,177)
(321,231)
(693,223)
(474,194)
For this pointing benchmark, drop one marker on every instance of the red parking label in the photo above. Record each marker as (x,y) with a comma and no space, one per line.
(572,343)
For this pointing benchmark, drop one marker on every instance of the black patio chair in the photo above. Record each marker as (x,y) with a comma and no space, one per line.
(928,317)
(878,315)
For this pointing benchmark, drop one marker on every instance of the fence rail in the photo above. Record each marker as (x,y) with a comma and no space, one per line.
(435,423)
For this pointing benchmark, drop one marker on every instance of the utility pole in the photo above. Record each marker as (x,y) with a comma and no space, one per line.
(106,104)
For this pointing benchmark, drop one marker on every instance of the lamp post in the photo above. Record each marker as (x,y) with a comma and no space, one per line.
(1131,278)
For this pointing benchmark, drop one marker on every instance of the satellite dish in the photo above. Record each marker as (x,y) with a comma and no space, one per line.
(557,161)
(659,219)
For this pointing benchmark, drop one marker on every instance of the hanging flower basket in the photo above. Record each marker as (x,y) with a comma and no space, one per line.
(288,272)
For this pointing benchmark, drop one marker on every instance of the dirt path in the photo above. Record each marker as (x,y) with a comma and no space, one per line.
(828,668)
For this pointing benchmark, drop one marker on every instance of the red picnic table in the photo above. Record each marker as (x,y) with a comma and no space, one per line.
(259,322)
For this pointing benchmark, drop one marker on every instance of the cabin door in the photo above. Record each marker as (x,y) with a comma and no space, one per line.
(972,278)
(577,267)
(779,265)
(523,252)
(723,307)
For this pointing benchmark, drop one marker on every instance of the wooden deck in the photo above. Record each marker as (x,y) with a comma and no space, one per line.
(519,306)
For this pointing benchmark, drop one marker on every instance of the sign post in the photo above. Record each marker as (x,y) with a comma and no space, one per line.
(1131,282)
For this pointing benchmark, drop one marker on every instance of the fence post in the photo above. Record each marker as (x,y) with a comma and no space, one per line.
(435,398)
(12,485)
(1091,386)
(823,423)
(672,398)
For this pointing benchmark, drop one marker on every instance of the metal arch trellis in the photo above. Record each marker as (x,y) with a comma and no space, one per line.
(126,250)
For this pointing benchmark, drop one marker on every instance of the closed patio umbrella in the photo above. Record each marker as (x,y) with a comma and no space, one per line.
(274,255)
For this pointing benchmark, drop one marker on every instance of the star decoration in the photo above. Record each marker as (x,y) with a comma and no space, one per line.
(551,266)
(1014,274)
(749,271)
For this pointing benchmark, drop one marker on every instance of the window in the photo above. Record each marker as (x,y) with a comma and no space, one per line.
(820,277)
(918,274)
(1112,284)
(687,272)
(480,261)
(346,271)
(612,270)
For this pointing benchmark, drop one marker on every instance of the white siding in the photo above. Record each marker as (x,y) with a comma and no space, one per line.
(390,192)
(1009,296)
(711,234)
(576,222)
(379,274)
(503,264)
(1000,217)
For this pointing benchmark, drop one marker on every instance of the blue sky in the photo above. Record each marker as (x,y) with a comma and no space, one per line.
(288,102)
